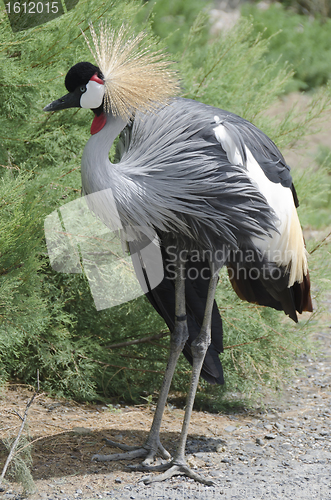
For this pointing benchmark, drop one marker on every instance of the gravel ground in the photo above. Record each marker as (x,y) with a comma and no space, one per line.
(283,452)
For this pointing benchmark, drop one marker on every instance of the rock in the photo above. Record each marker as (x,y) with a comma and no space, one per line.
(220,448)
(230,428)
(81,430)
(269,427)
(226,460)
(279,426)
(118,480)
(286,446)
(260,441)
(200,454)
(191,462)
(270,436)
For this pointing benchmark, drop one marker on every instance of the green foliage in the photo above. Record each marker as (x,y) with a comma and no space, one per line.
(302,41)
(48,320)
(172,21)
(317,8)
(315,184)
(19,468)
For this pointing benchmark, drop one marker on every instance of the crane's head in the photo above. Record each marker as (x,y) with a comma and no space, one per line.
(85,84)
(129,76)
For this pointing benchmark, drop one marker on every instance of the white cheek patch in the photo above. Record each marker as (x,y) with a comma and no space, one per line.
(93,97)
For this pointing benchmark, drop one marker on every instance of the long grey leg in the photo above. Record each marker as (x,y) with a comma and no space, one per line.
(177,342)
(199,347)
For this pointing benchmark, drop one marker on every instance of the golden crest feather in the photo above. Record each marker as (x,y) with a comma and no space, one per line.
(136,79)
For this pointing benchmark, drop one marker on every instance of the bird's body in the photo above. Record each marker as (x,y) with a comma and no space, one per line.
(216,191)
(207,181)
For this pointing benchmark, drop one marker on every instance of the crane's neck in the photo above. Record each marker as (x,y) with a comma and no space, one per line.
(95,160)
(115,124)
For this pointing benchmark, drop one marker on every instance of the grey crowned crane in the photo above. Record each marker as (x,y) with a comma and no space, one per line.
(209,183)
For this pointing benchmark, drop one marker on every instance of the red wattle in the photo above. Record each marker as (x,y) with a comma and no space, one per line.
(98,123)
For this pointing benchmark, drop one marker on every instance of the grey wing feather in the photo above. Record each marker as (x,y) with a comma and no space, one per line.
(189,185)
(261,146)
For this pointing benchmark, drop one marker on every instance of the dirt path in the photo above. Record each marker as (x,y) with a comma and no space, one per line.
(283,452)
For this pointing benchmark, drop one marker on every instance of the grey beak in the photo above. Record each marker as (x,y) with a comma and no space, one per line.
(71,100)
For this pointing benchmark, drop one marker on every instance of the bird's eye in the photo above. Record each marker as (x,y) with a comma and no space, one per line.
(82,88)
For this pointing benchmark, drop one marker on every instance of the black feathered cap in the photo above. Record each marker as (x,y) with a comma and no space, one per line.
(80,74)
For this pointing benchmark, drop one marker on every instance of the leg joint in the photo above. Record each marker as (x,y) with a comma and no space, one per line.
(200,345)
(179,336)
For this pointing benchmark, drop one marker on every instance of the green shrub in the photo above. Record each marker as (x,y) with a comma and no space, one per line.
(302,41)
(48,319)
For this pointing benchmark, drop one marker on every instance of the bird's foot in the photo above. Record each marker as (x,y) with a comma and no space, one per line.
(147,452)
(171,469)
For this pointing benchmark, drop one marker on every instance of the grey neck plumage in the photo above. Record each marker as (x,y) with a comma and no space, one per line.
(95,160)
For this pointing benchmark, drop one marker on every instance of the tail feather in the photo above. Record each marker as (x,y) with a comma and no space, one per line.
(264,283)
(302,296)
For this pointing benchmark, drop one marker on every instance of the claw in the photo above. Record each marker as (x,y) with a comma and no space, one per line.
(173,470)
(132,452)
(121,446)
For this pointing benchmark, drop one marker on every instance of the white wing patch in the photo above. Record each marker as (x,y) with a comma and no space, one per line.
(228,144)
(286,247)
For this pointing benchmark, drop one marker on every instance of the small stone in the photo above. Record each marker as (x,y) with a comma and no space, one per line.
(286,446)
(81,430)
(270,436)
(324,433)
(79,492)
(118,480)
(260,441)
(279,426)
(230,428)
(192,463)
(269,427)
(226,460)
(220,448)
